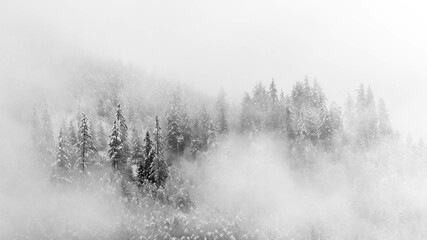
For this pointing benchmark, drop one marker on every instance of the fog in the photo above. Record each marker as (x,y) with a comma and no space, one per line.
(251,183)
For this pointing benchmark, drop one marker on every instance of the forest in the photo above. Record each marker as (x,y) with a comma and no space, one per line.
(132,157)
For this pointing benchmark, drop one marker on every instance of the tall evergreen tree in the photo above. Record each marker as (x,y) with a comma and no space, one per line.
(221,106)
(247,115)
(123,128)
(158,168)
(47,131)
(137,147)
(384,126)
(85,145)
(273,92)
(144,166)
(186,128)
(195,146)
(61,168)
(115,149)
(175,137)
(204,128)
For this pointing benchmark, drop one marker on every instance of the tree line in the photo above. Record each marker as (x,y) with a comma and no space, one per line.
(302,120)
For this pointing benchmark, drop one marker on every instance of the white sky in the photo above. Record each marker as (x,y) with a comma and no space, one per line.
(236,43)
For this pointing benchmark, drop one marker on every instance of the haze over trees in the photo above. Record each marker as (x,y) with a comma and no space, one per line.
(165,158)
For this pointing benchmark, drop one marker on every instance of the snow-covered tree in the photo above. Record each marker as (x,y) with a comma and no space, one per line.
(144,166)
(205,122)
(115,149)
(61,168)
(384,125)
(175,137)
(47,133)
(123,128)
(158,168)
(137,154)
(221,119)
(85,144)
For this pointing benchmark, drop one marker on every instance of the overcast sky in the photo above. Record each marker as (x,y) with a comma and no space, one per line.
(234,44)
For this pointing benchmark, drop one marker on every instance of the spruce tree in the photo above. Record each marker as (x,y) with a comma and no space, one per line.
(273,91)
(247,115)
(85,145)
(121,122)
(384,126)
(47,133)
(195,145)
(115,149)
(221,120)
(137,154)
(175,137)
(144,166)
(158,168)
(204,128)
(61,168)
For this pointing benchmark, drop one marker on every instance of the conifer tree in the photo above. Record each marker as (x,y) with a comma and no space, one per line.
(274,117)
(144,166)
(47,142)
(85,145)
(158,168)
(61,168)
(221,121)
(186,128)
(137,154)
(204,128)
(121,123)
(384,126)
(195,136)
(350,116)
(175,138)
(246,117)
(273,91)
(115,150)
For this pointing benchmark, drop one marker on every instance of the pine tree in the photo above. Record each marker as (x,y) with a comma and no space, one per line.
(273,122)
(204,128)
(144,166)
(186,128)
(195,145)
(372,117)
(85,145)
(247,115)
(121,122)
(221,121)
(158,168)
(350,116)
(175,138)
(47,142)
(115,149)
(384,126)
(137,154)
(61,168)
(273,92)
